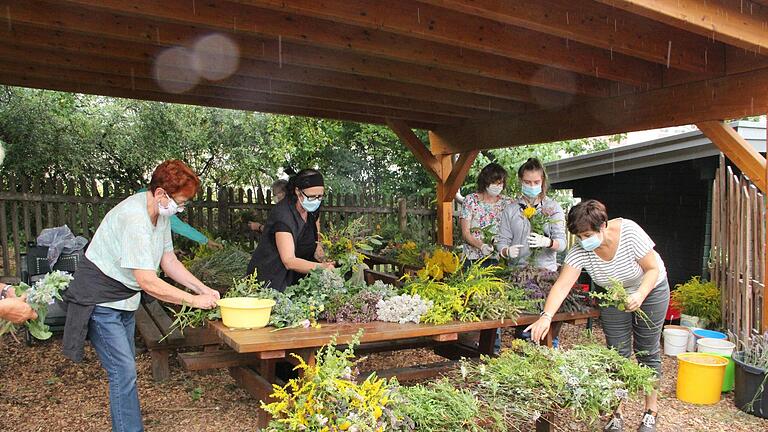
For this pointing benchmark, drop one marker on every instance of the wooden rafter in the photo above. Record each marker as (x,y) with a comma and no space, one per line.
(458,174)
(225,16)
(740,23)
(734,96)
(99,24)
(602,26)
(417,147)
(60,85)
(738,150)
(427,22)
(110,72)
(278,76)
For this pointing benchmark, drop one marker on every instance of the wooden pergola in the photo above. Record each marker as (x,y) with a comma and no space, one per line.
(477,74)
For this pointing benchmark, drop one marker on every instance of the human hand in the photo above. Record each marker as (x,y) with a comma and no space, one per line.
(211,292)
(204,301)
(539,329)
(538,241)
(327,265)
(486,249)
(511,252)
(255,226)
(634,301)
(15,309)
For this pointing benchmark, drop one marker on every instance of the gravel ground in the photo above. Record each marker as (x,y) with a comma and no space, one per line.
(42,391)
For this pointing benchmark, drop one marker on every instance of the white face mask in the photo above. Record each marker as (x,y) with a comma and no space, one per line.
(170,210)
(494,190)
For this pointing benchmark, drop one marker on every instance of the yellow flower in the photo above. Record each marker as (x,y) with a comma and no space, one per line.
(409,245)
(529,212)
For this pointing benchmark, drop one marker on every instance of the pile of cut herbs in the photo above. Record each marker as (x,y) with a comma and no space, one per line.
(495,394)
(464,293)
(218,268)
(329,396)
(40,295)
(537,282)
(509,392)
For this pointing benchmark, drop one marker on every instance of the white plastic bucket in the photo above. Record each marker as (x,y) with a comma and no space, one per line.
(675,341)
(715,346)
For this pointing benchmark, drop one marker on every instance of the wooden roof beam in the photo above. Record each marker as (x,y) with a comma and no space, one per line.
(733,96)
(35,38)
(473,33)
(252,85)
(224,16)
(458,174)
(99,24)
(207,90)
(737,22)
(417,147)
(604,27)
(66,86)
(738,150)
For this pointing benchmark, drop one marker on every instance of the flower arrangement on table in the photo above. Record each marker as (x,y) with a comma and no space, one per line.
(347,246)
(537,282)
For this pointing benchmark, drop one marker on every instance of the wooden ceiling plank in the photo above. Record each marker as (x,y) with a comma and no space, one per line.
(733,96)
(223,16)
(99,24)
(426,22)
(61,85)
(50,69)
(602,26)
(736,22)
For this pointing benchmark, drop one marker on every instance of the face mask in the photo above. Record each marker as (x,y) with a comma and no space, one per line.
(591,243)
(310,206)
(531,191)
(169,211)
(494,190)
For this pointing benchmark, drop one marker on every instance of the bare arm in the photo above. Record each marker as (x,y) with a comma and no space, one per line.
(466,234)
(176,271)
(158,288)
(562,286)
(650,267)
(287,250)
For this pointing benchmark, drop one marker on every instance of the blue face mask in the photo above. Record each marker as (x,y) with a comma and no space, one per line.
(311,206)
(591,243)
(531,191)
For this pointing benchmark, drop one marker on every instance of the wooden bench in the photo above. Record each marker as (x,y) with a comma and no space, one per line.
(154,322)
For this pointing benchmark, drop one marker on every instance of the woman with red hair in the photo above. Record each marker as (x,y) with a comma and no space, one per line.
(132,241)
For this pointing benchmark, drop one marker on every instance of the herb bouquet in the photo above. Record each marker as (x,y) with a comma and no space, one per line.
(39,296)
(616,296)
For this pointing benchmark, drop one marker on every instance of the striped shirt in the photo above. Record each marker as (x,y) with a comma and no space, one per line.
(634,244)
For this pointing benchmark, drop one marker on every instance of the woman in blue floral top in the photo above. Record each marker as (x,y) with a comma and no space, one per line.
(481,214)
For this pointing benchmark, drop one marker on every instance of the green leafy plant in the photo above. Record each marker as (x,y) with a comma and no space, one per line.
(487,233)
(699,298)
(440,407)
(39,296)
(616,296)
(339,243)
(329,397)
(218,268)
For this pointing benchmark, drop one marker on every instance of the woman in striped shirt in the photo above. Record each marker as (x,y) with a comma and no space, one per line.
(616,249)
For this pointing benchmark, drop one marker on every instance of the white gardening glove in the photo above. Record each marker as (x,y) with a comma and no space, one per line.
(511,252)
(486,249)
(538,241)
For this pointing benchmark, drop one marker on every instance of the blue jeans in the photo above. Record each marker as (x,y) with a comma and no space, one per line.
(111,332)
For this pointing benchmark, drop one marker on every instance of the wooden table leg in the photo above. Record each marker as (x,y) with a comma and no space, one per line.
(487,341)
(258,385)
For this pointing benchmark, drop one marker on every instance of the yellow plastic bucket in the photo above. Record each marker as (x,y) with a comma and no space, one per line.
(700,377)
(245,312)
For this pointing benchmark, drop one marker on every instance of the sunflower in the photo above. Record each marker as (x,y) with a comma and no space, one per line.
(529,212)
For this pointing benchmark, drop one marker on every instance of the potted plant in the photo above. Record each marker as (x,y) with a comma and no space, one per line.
(751,392)
(699,301)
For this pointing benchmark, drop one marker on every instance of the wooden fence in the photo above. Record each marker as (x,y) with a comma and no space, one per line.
(738,251)
(27,206)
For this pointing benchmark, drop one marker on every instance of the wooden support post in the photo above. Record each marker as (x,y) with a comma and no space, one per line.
(738,150)
(764,314)
(444,208)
